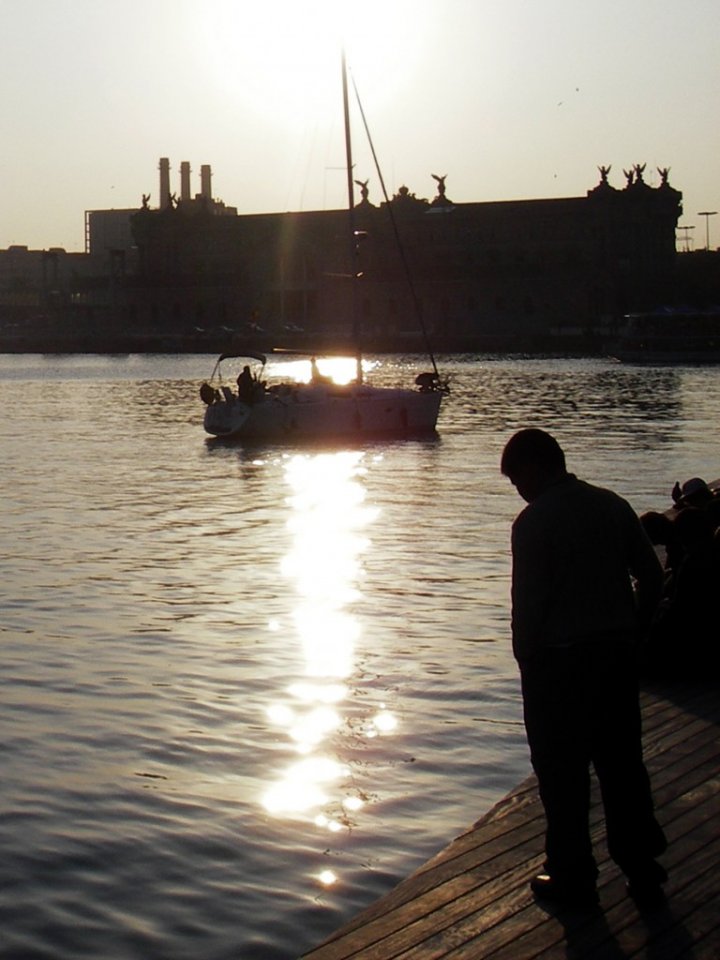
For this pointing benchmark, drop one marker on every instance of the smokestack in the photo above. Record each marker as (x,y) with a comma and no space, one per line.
(206,182)
(185,180)
(164,183)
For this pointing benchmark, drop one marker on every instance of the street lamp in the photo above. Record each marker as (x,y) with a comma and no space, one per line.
(707,214)
(687,238)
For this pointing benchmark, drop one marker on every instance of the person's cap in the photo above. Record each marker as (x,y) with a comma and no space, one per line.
(695,490)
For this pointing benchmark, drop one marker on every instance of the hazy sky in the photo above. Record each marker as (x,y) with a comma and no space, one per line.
(507,98)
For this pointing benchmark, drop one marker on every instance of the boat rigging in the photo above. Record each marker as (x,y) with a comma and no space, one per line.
(320,408)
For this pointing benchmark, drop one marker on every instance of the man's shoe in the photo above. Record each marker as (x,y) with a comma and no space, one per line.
(645,887)
(565,894)
(646,895)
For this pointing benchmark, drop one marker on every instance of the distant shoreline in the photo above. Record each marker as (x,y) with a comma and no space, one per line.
(570,346)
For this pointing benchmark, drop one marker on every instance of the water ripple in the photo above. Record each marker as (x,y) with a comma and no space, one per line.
(245,691)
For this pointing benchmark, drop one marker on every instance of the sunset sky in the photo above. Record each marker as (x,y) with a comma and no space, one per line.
(510,99)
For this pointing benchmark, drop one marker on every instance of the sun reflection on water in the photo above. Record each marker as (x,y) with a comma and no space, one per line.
(328,521)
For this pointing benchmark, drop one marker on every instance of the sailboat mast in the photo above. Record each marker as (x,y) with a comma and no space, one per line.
(351,224)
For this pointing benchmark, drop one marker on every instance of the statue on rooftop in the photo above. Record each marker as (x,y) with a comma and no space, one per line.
(441,200)
(603,189)
(407,201)
(363,184)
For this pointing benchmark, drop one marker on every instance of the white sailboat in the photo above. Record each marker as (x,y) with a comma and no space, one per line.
(320,408)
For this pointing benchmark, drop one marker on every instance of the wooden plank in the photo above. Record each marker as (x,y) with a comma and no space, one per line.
(620,915)
(392,933)
(472,899)
(537,931)
(388,947)
(505,831)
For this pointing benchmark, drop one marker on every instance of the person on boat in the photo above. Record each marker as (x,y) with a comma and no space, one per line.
(246,384)
(575,624)
(315,375)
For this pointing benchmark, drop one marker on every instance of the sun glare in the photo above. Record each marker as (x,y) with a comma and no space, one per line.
(341,370)
(282,58)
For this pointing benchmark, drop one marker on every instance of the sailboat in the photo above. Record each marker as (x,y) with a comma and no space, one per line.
(321,409)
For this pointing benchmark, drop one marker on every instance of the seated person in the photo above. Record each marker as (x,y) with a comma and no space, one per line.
(246,384)
(682,639)
(662,533)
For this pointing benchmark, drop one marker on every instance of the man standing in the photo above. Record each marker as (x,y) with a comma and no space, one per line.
(576,617)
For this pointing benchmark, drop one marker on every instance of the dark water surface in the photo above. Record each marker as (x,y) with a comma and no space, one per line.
(243,692)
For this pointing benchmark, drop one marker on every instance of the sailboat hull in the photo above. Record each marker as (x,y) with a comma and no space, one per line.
(309,412)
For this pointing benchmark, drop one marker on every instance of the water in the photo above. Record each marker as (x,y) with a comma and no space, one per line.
(246,691)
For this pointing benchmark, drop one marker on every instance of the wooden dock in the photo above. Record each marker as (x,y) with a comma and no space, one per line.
(472,900)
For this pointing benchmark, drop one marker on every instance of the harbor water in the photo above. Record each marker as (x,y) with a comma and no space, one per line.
(246,690)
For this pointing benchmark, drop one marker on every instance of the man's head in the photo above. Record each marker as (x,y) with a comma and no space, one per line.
(531,460)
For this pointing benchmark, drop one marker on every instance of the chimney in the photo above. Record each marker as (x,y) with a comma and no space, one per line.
(206,182)
(185,180)
(164,183)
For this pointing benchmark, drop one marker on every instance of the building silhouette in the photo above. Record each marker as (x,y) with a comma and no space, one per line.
(480,272)
(523,274)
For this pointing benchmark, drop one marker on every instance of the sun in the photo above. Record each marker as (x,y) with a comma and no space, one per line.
(281,59)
